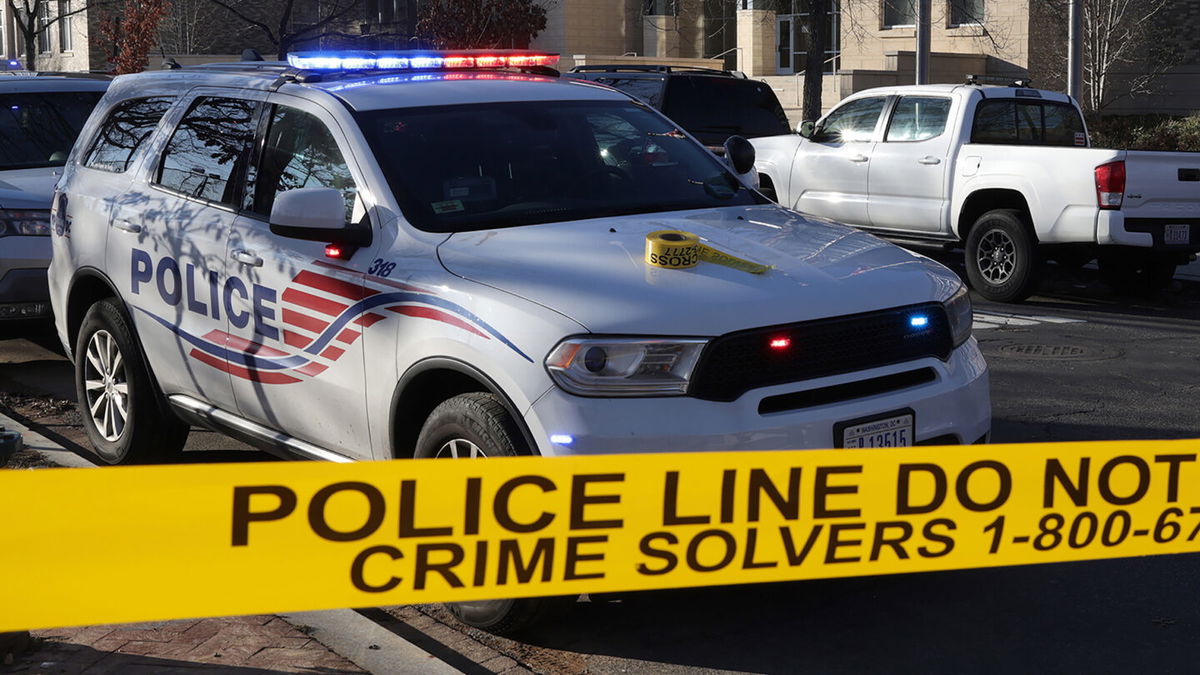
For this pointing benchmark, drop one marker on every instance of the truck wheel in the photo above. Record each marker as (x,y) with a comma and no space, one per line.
(476,426)
(119,405)
(1134,271)
(1002,259)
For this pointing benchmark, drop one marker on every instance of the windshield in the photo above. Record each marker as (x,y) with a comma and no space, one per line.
(38,129)
(473,167)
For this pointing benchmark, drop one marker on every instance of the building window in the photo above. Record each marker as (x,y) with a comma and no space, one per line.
(66,39)
(792,36)
(899,13)
(966,12)
(43,27)
(661,7)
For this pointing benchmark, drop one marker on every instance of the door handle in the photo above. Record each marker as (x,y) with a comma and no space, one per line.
(247,258)
(126,226)
(858,158)
(929,160)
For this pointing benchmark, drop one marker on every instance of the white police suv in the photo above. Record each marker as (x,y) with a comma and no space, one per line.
(371,256)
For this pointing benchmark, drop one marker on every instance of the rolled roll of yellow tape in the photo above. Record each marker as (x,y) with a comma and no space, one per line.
(673,250)
(676,250)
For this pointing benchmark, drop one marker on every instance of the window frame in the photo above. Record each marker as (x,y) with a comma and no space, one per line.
(237,177)
(895,105)
(951,23)
(66,39)
(45,45)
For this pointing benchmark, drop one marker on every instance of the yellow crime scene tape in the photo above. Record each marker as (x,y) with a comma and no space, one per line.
(85,546)
(676,250)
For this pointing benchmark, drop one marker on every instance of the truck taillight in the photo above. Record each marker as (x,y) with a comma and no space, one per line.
(1110,184)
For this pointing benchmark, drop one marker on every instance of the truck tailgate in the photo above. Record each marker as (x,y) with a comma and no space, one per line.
(1162,185)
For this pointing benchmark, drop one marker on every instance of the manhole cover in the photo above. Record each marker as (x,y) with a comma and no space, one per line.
(1059,352)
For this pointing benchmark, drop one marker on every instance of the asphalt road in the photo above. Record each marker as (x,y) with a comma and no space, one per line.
(1076,362)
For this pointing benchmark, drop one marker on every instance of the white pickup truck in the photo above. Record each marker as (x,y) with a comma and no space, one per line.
(1005,172)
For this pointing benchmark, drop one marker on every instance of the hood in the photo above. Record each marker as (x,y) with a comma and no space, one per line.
(593,271)
(28,188)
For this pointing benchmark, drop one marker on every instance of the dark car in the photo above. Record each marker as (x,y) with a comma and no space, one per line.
(712,105)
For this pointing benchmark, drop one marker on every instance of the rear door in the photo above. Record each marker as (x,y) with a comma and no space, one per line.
(170,229)
(908,189)
(830,171)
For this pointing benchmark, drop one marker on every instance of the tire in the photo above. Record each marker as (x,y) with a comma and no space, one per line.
(119,405)
(477,425)
(1002,259)
(1137,272)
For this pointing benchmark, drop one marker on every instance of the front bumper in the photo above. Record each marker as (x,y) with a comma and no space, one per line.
(954,407)
(24,293)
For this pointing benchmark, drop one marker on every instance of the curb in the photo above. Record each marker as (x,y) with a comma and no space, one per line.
(343,631)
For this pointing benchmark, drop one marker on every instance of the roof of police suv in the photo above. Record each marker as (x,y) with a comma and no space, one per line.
(380,90)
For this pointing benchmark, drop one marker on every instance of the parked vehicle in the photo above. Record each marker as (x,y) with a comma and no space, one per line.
(1005,172)
(711,105)
(346,260)
(40,118)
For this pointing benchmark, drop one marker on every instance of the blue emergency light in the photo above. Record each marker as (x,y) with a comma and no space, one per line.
(420,60)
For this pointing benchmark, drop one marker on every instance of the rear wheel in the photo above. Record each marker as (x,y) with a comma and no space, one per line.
(1001,256)
(476,426)
(121,412)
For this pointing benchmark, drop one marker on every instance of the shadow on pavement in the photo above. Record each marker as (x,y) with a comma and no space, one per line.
(1072,617)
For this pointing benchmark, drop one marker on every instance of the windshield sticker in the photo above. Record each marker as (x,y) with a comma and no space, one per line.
(448,206)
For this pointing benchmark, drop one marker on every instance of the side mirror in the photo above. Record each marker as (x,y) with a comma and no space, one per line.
(807,128)
(316,214)
(740,154)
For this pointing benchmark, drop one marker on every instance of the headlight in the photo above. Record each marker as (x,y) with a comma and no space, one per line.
(624,366)
(36,223)
(958,311)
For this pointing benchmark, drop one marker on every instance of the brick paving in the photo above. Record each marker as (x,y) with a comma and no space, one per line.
(243,644)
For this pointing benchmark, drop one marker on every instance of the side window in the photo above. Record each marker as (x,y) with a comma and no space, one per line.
(1028,123)
(854,121)
(124,131)
(208,147)
(995,122)
(300,152)
(648,89)
(918,118)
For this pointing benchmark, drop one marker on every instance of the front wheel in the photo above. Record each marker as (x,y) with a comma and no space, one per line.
(1001,256)
(118,403)
(477,426)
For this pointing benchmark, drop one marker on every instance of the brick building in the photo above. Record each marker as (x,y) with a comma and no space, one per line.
(873,43)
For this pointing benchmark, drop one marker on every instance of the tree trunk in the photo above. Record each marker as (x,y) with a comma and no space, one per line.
(30,51)
(814,68)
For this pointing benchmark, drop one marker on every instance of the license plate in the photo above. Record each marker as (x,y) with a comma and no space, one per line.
(1177,234)
(886,432)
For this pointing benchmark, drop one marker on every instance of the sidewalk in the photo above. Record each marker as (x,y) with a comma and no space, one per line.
(338,641)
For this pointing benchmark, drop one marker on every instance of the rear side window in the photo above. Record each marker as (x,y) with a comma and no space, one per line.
(208,149)
(725,105)
(123,133)
(918,118)
(1018,122)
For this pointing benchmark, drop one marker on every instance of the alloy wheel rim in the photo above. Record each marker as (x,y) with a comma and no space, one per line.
(106,386)
(997,257)
(459,448)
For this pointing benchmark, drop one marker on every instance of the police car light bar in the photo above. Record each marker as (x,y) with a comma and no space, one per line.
(423,60)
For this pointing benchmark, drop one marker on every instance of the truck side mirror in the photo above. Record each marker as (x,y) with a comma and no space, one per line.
(740,154)
(806,129)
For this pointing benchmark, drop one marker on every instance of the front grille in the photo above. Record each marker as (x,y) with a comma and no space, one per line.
(735,363)
(848,391)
